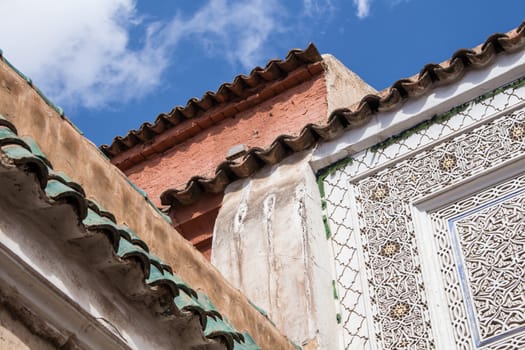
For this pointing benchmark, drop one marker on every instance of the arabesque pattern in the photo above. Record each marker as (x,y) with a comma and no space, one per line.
(480,135)
(353,315)
(494,258)
(490,238)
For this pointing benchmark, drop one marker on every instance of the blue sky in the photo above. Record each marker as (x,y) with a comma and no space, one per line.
(113,64)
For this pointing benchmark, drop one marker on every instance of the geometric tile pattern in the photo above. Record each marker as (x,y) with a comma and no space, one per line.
(374,241)
(446,124)
(347,266)
(481,248)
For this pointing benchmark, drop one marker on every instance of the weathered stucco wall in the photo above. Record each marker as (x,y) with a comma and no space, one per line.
(344,87)
(269,238)
(270,242)
(66,284)
(79,158)
(15,335)
(285,113)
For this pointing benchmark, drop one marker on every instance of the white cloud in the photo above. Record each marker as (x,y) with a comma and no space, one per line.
(238,31)
(77,51)
(363,8)
(313,8)
(81,52)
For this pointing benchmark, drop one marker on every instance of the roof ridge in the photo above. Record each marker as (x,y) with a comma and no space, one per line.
(242,86)
(431,76)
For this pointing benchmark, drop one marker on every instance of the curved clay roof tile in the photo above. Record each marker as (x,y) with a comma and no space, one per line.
(430,76)
(241,87)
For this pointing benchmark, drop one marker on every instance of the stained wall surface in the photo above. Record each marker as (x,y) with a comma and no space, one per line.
(73,154)
(269,241)
(15,335)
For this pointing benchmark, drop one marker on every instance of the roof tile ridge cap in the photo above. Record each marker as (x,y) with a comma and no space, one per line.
(310,50)
(430,67)
(513,36)
(194,184)
(151,143)
(375,102)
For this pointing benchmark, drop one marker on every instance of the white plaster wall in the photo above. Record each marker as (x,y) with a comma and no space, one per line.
(270,242)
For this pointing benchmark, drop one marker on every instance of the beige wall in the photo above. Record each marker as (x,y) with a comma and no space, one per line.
(71,153)
(270,242)
(14,335)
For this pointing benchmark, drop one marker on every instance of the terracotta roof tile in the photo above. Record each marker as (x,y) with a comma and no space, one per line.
(242,87)
(58,188)
(431,76)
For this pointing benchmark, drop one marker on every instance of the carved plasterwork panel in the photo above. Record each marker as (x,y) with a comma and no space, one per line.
(370,202)
(493,254)
(347,267)
(458,119)
(481,245)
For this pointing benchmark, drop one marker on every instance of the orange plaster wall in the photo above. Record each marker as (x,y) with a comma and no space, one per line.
(286,113)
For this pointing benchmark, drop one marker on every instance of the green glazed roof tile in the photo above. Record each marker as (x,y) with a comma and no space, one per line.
(7,123)
(24,158)
(26,154)
(35,149)
(248,344)
(184,302)
(128,250)
(161,265)
(93,221)
(217,328)
(7,137)
(100,210)
(132,237)
(189,305)
(154,275)
(60,192)
(172,282)
(208,305)
(180,283)
(204,300)
(66,180)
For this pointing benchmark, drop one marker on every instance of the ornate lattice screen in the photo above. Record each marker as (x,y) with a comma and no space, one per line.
(428,232)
